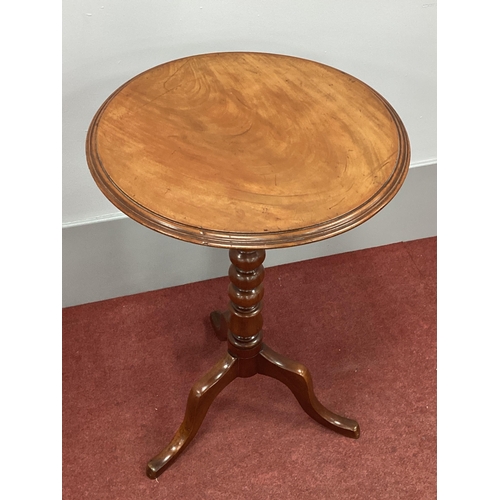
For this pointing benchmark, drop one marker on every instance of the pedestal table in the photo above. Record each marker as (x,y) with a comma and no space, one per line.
(249,152)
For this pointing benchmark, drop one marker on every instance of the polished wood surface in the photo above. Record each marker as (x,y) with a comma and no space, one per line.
(247,150)
(202,395)
(220,323)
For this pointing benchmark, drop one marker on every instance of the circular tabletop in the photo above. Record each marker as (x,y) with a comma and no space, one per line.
(247,150)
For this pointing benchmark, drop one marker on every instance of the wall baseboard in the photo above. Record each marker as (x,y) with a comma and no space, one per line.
(117,256)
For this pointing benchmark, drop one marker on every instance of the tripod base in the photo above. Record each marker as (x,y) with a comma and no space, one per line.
(247,356)
(267,362)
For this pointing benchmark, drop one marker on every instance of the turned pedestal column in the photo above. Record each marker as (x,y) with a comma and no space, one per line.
(247,355)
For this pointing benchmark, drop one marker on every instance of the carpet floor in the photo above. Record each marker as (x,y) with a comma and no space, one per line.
(363,322)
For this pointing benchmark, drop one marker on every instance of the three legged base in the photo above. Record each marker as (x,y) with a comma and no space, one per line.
(247,356)
(267,362)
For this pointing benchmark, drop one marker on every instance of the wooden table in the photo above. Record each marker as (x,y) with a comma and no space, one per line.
(247,151)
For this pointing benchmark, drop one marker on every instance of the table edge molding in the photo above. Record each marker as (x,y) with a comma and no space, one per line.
(263,240)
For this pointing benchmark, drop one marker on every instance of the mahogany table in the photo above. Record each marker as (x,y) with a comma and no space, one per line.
(247,151)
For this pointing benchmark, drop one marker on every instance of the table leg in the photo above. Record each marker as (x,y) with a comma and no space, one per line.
(298,379)
(220,323)
(200,398)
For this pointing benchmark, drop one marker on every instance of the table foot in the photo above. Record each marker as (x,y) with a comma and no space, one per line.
(220,322)
(200,398)
(298,379)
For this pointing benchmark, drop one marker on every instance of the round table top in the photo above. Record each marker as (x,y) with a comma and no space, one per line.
(247,150)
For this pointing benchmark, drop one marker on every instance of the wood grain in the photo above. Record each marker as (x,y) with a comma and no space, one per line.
(247,150)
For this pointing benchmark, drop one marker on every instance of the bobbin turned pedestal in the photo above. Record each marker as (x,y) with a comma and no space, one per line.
(248,152)
(247,356)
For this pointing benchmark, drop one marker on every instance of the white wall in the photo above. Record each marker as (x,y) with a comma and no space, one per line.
(389,44)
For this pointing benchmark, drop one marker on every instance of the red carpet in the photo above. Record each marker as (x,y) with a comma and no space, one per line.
(364,323)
